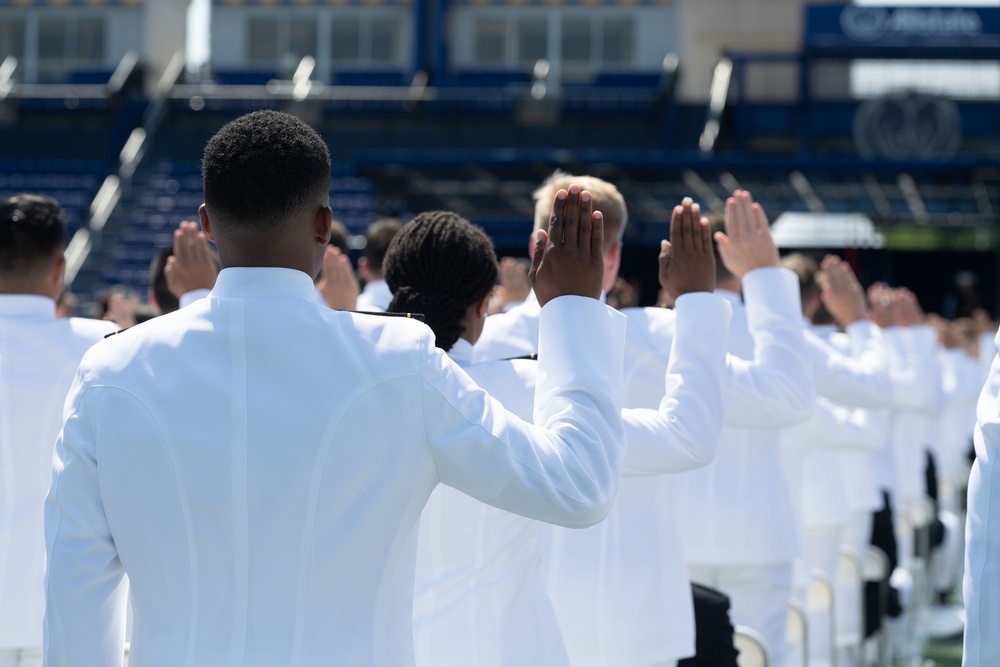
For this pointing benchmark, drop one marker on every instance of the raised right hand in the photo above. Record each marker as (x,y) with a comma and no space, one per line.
(881,310)
(687,261)
(569,257)
(842,293)
(747,243)
(192,266)
(338,283)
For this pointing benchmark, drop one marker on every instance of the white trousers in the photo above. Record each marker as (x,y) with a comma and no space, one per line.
(759,596)
(21,657)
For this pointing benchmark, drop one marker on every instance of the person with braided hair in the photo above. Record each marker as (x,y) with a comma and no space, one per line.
(481,594)
(445,268)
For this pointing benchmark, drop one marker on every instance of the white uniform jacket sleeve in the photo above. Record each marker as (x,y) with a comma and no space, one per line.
(982,536)
(848,429)
(776,388)
(859,381)
(913,367)
(683,432)
(75,520)
(566,469)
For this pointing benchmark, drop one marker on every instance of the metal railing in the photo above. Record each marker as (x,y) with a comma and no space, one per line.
(716,105)
(129,159)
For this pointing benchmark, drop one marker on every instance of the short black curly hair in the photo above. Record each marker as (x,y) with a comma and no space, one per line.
(260,169)
(32,232)
(438,265)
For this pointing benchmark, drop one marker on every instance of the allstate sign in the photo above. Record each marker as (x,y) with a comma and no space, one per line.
(843,27)
(870,23)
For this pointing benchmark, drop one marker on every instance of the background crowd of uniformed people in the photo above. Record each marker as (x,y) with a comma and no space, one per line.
(786,428)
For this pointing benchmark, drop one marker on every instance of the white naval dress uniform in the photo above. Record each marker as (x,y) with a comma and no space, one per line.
(480,598)
(375,297)
(813,449)
(738,522)
(864,494)
(961,383)
(917,400)
(478,601)
(510,334)
(981,588)
(257,463)
(39,355)
(636,608)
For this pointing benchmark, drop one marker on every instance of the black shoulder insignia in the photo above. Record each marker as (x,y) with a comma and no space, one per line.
(527,357)
(115,333)
(419,317)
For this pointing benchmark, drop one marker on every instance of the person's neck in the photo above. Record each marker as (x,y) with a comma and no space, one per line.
(26,290)
(272,260)
(730,285)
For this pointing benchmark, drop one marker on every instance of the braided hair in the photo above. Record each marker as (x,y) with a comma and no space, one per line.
(438,265)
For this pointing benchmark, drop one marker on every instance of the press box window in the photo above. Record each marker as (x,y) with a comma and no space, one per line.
(280,43)
(366,40)
(12,39)
(67,44)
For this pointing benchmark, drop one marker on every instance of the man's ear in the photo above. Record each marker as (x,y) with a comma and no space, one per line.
(206,224)
(323,225)
(531,245)
(612,263)
(483,307)
(364,269)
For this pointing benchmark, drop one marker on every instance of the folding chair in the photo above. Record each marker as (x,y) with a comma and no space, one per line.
(876,570)
(797,635)
(752,647)
(850,589)
(819,600)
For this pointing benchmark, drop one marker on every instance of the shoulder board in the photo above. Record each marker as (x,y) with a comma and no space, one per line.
(410,316)
(527,357)
(115,333)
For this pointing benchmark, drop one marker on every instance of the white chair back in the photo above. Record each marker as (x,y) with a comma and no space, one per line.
(752,647)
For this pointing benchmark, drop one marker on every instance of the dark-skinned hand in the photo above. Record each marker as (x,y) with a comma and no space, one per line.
(569,257)
(687,261)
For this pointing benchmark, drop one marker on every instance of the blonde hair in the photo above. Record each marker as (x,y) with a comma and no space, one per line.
(607,200)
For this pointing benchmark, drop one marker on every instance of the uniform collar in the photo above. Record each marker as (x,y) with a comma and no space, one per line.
(730,296)
(377,287)
(29,306)
(249,282)
(825,331)
(530,303)
(461,352)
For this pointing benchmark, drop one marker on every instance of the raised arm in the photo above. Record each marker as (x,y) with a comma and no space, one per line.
(192,269)
(861,379)
(683,432)
(774,389)
(913,363)
(566,468)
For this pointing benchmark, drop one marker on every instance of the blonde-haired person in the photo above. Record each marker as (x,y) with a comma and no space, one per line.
(514,333)
(621,590)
